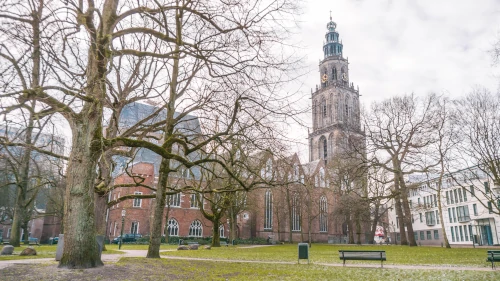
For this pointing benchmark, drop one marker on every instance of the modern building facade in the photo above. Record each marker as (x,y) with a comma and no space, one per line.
(469,214)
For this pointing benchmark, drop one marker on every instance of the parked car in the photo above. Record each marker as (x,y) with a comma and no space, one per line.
(129,237)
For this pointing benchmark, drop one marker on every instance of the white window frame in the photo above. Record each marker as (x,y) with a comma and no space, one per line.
(175,200)
(193,202)
(196,229)
(134,204)
(268,210)
(323,214)
(296,217)
(221,231)
(132,227)
(173,227)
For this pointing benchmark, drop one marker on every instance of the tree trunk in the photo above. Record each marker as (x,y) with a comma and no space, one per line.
(80,247)
(443,229)
(351,230)
(358,230)
(101,208)
(401,221)
(375,222)
(233,224)
(289,205)
(158,209)
(309,218)
(165,229)
(407,211)
(15,233)
(215,233)
(26,233)
(399,212)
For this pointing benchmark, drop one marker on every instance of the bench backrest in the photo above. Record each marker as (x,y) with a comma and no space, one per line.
(361,255)
(494,254)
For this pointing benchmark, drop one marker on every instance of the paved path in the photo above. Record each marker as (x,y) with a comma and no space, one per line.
(112,258)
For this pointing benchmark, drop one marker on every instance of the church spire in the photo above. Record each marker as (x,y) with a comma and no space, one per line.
(332,47)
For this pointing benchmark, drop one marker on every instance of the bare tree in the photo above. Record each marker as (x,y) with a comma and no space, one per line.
(478,117)
(219,58)
(398,131)
(27,171)
(441,151)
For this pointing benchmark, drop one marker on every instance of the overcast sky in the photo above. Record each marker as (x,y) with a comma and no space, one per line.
(404,46)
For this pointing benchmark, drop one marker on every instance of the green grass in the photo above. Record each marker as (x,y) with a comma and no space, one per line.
(207,270)
(43,251)
(322,253)
(139,247)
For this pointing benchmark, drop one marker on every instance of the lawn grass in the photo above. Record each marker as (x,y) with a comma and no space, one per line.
(207,270)
(171,269)
(139,247)
(42,251)
(324,253)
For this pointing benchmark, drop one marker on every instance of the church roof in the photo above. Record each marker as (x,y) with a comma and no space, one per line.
(311,167)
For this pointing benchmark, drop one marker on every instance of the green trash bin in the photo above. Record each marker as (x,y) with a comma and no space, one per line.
(303,253)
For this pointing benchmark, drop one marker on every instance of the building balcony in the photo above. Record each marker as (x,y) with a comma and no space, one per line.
(464,219)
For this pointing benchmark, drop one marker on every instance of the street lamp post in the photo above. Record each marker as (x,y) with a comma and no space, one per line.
(121,234)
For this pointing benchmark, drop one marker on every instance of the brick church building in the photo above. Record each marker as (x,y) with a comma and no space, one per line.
(307,207)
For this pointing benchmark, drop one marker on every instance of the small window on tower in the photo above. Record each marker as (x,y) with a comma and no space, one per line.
(325,149)
(334,73)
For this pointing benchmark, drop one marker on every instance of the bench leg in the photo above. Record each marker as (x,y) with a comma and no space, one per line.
(344,262)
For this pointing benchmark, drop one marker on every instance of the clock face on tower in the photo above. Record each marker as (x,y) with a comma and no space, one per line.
(324,78)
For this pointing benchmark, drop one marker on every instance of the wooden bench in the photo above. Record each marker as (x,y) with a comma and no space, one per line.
(362,255)
(493,256)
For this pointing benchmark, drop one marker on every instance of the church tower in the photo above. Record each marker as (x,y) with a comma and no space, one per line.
(335,102)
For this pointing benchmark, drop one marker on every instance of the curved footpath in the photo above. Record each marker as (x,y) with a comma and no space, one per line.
(112,258)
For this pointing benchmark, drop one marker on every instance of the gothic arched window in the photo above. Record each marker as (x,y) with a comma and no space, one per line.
(295,213)
(268,210)
(323,107)
(173,227)
(325,149)
(196,229)
(322,179)
(334,73)
(323,214)
(322,148)
(346,107)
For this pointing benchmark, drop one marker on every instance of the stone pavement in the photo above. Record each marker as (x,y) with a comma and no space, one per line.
(112,258)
